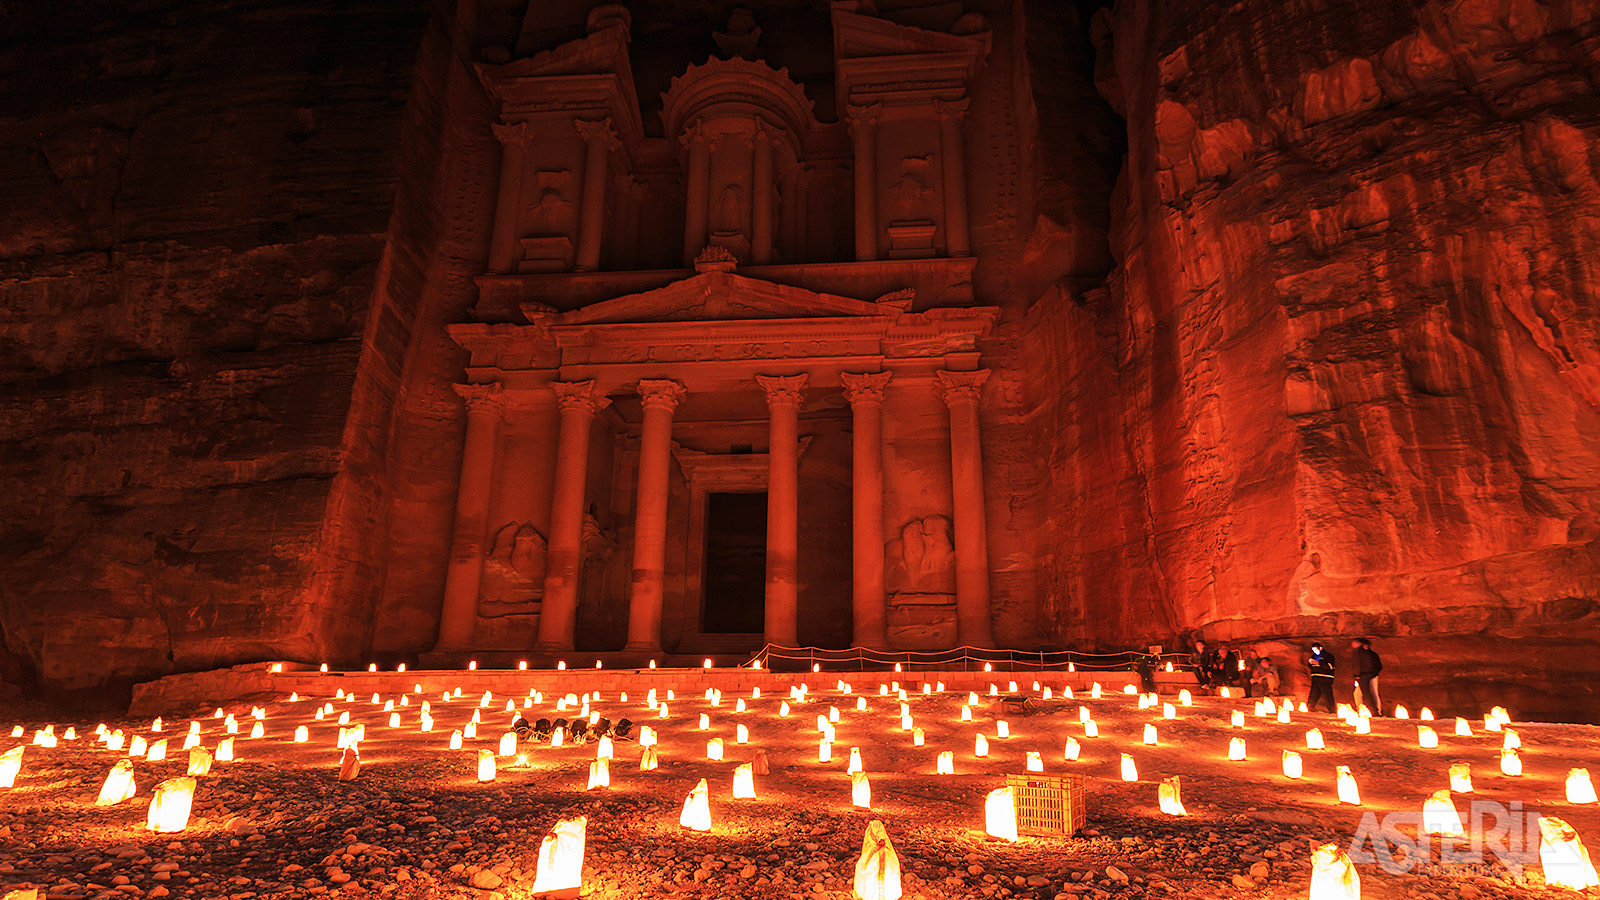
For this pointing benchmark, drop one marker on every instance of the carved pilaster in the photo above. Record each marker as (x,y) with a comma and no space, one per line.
(863,122)
(953,165)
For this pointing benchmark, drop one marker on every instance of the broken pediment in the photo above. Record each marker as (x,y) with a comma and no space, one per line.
(714,296)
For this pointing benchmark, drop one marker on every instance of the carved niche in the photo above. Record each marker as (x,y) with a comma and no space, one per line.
(922,562)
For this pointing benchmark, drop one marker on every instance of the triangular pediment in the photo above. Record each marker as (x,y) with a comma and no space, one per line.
(716,297)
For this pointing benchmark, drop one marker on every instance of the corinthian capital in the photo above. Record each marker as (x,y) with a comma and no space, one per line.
(579,395)
(961,387)
(862,388)
(513,132)
(951,109)
(864,116)
(783,390)
(661,393)
(482,398)
(600,130)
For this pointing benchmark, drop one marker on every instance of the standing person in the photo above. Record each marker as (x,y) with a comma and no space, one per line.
(1146,666)
(1320,664)
(1368,667)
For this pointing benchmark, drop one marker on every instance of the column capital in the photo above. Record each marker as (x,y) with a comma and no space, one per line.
(961,387)
(663,393)
(483,398)
(864,116)
(694,134)
(947,110)
(783,390)
(598,129)
(579,395)
(864,388)
(513,132)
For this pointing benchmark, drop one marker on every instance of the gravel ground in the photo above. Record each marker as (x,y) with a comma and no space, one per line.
(279,823)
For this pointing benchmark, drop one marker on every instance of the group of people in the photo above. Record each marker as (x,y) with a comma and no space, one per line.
(1224,666)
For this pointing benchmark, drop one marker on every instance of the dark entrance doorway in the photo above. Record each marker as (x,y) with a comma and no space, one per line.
(736,564)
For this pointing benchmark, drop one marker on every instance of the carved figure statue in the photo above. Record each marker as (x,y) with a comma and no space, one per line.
(922,559)
(727,215)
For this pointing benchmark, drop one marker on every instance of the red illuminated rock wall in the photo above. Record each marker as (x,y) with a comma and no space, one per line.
(1345,374)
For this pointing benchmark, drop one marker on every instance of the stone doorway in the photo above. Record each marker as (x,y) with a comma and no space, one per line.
(734,598)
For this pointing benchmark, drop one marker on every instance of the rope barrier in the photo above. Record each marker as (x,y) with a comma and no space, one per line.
(773,656)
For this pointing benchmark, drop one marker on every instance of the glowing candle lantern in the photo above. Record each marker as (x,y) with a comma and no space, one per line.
(824,751)
(425,722)
(1292,767)
(1400,712)
(1237,719)
(603,749)
(1225,694)
(302,734)
(705,722)
(1083,714)
(1333,875)
(661,711)
(219,714)
(344,717)
(1236,749)
(1185,698)
(648,760)
(861,704)
(508,744)
(199,761)
(1091,729)
(972,698)
(1130,772)
(1000,814)
(1314,739)
(118,785)
(1439,816)
(907,723)
(917,737)
(1283,716)
(860,791)
(485,766)
(1129,689)
(714,748)
(17,730)
(1072,750)
(1427,738)
(1463,727)
(1461,778)
(696,814)
(114,742)
(224,751)
(599,774)
(878,869)
(169,807)
(455,740)
(1349,792)
(1564,858)
(1425,714)
(1170,795)
(946,764)
(1094,691)
(10,766)
(647,736)
(855,761)
(833,714)
(1500,715)
(1002,728)
(1150,734)
(1035,761)
(1579,788)
(1511,741)
(966,714)
(1510,763)
(558,737)
(1490,723)
(137,746)
(1168,711)
(980,746)
(157,751)
(1363,725)
(1046,694)
(783,709)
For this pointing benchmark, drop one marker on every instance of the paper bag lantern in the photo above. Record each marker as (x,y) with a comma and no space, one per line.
(824,751)
(1170,795)
(1427,738)
(169,808)
(302,734)
(1348,790)
(648,760)
(714,748)
(741,735)
(855,761)
(1439,816)
(350,763)
(508,744)
(744,782)
(1314,739)
(1002,728)
(137,746)
(1510,763)
(1000,814)
(946,764)
(224,750)
(1168,711)
(878,869)
(455,740)
(860,791)
(1236,749)
(1463,727)
(558,737)
(1237,718)
(560,868)
(1292,767)
(1090,729)
(918,738)
(485,766)
(1566,861)
(599,774)
(1283,716)
(1035,762)
(1333,875)
(157,751)
(259,730)
(1185,698)
(696,814)
(10,766)
(705,722)
(1579,788)
(118,785)
(980,746)
(1072,749)
(1130,772)
(647,736)
(199,761)
(1150,734)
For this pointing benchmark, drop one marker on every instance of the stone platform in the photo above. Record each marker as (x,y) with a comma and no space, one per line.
(177,693)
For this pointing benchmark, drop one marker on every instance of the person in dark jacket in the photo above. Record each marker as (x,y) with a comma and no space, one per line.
(1368,667)
(1205,663)
(1320,665)
(1227,668)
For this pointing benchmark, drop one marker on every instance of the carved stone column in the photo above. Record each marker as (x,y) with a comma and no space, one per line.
(659,398)
(953,155)
(458,616)
(869,612)
(508,206)
(864,134)
(783,507)
(789,206)
(761,185)
(697,200)
(961,390)
(600,140)
(558,616)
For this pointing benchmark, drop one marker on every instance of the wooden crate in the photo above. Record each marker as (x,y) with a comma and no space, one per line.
(1048,804)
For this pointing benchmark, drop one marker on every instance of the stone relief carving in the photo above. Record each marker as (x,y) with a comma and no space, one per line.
(513,571)
(922,562)
(727,214)
(911,193)
(550,213)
